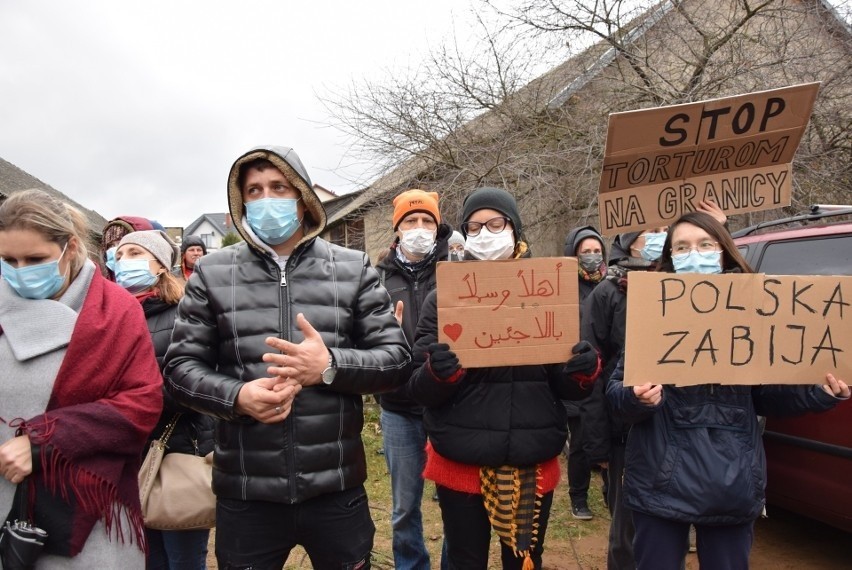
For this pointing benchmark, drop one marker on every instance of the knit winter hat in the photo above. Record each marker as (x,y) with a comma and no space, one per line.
(157,242)
(493,199)
(190,241)
(577,236)
(415,201)
(456,239)
(117,228)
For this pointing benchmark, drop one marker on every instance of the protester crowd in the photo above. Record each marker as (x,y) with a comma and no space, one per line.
(262,352)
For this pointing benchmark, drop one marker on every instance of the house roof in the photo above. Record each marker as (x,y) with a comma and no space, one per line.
(324,194)
(340,204)
(13,179)
(217,220)
(563,81)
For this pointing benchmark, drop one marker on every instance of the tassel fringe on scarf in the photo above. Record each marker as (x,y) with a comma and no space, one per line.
(513,502)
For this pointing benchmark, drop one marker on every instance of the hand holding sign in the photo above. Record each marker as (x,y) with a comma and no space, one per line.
(584,361)
(836,387)
(649,394)
(713,209)
(443,363)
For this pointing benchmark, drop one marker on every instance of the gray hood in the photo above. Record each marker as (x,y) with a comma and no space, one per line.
(575,236)
(288,162)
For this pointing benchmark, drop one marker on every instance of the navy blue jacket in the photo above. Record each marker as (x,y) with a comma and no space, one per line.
(698,456)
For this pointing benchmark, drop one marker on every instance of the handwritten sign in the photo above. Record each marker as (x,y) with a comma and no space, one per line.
(509,313)
(737,329)
(736,151)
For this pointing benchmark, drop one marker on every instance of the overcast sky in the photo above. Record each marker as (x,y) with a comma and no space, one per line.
(140,108)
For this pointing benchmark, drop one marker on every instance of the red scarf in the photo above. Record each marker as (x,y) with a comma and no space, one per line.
(105,401)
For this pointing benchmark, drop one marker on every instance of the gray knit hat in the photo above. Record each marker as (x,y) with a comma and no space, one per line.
(456,239)
(158,243)
(493,199)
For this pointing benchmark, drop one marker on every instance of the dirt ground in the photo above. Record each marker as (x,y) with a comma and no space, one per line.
(783,541)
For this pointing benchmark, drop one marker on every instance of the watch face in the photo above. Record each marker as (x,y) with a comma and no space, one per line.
(328,375)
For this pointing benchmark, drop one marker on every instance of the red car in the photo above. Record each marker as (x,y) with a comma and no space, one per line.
(809,458)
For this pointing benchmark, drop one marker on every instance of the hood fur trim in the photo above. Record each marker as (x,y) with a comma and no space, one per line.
(287,161)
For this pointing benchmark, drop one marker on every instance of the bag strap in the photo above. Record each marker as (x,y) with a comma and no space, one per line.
(167,433)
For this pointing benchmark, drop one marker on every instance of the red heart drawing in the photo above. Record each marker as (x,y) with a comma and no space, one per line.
(453,331)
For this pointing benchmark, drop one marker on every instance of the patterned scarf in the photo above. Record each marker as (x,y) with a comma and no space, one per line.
(513,504)
(594,277)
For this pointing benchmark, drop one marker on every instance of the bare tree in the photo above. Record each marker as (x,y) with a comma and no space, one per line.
(475,117)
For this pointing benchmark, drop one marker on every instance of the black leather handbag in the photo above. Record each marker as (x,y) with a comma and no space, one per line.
(21,542)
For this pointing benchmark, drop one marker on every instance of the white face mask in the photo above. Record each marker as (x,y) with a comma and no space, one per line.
(418,241)
(488,246)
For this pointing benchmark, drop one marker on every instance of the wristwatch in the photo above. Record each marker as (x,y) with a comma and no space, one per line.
(330,371)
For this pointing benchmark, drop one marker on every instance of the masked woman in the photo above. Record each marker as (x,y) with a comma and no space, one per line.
(718,479)
(587,245)
(79,390)
(495,433)
(143,260)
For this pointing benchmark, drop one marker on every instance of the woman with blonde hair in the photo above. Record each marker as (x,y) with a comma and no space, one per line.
(79,390)
(142,266)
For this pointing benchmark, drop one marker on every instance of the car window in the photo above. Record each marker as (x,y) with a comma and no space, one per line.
(816,256)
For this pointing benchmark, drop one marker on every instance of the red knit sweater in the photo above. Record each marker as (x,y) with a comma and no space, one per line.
(464,478)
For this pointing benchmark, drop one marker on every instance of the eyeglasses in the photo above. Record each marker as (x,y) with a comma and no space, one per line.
(704,246)
(494,225)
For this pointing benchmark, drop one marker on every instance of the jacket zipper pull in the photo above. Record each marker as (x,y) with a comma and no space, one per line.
(283,278)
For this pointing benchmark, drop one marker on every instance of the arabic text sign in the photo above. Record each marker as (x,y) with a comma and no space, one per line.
(737,329)
(736,151)
(497,313)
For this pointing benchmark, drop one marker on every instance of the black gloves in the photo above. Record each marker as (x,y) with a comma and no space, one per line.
(584,361)
(443,363)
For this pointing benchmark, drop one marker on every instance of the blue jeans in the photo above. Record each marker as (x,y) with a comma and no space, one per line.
(177,549)
(405,453)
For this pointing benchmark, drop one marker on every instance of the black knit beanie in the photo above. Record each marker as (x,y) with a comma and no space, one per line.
(190,241)
(493,199)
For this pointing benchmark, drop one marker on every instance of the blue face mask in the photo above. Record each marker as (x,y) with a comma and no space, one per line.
(706,262)
(134,275)
(653,249)
(274,220)
(110,258)
(40,281)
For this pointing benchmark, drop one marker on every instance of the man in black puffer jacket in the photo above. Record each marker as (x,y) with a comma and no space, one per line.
(279,336)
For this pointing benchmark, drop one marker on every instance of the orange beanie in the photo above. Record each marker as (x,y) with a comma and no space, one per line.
(415,201)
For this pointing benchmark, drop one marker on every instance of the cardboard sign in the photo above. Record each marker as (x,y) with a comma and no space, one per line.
(509,313)
(737,329)
(736,151)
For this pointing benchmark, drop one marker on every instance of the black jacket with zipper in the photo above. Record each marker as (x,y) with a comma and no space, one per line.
(194,431)
(235,299)
(410,287)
